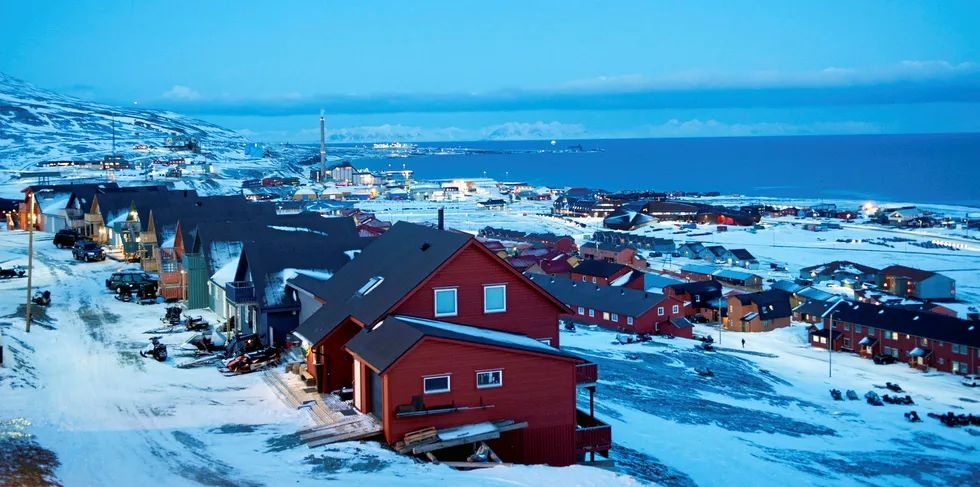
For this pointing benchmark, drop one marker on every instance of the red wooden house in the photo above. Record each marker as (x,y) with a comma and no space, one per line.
(607,273)
(417,281)
(619,308)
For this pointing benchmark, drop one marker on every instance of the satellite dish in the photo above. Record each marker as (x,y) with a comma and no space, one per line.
(553,142)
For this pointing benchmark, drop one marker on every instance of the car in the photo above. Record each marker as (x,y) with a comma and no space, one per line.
(67,238)
(971,380)
(135,280)
(883,359)
(87,250)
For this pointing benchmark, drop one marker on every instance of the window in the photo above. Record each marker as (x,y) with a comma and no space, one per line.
(581,310)
(942,361)
(660,311)
(591,313)
(445,302)
(615,317)
(846,327)
(583,279)
(494,299)
(847,342)
(888,350)
(823,340)
(894,335)
(593,280)
(629,320)
(489,378)
(697,298)
(765,323)
(925,342)
(676,309)
(871,331)
(605,315)
(857,328)
(436,384)
(816,339)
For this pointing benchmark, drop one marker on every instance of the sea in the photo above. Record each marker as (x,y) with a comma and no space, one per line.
(929,168)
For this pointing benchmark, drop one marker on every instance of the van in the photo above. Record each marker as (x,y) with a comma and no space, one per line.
(971,380)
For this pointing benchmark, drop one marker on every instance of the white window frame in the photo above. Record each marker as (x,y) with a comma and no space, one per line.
(437,391)
(605,315)
(676,309)
(660,311)
(629,320)
(581,310)
(494,286)
(490,386)
(593,280)
(591,313)
(584,279)
(615,317)
(435,301)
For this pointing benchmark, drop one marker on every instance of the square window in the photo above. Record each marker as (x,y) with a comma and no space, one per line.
(615,317)
(629,320)
(846,327)
(816,339)
(591,313)
(676,309)
(581,310)
(660,311)
(490,378)
(494,299)
(593,280)
(435,385)
(605,315)
(894,335)
(445,302)
(583,278)
(941,361)
(857,328)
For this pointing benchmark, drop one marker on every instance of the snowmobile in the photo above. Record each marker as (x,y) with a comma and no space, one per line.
(852,395)
(251,362)
(147,294)
(706,346)
(42,298)
(157,350)
(209,343)
(668,336)
(11,273)
(242,345)
(836,395)
(624,339)
(912,417)
(704,372)
(893,387)
(873,399)
(124,293)
(196,323)
(707,339)
(643,337)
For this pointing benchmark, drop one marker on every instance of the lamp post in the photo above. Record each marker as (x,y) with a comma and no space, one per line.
(30,261)
(721,321)
(830,346)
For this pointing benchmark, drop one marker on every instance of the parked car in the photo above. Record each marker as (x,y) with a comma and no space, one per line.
(135,280)
(882,359)
(971,380)
(67,238)
(87,250)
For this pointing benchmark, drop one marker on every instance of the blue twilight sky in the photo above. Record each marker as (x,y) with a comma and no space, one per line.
(513,69)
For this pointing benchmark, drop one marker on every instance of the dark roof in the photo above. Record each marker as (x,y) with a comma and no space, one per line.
(787,285)
(718,250)
(907,272)
(613,299)
(836,266)
(814,307)
(706,289)
(492,202)
(681,323)
(598,268)
(742,254)
(923,324)
(771,304)
(391,338)
(403,257)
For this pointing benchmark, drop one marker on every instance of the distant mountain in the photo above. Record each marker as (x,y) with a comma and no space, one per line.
(38,125)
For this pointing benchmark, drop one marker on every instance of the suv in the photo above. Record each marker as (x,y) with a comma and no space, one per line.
(971,380)
(66,238)
(87,250)
(884,359)
(135,280)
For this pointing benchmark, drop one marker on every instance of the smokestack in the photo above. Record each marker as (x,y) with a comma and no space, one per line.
(442,219)
(323,152)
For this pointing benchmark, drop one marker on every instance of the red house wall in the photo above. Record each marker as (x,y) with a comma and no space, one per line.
(529,311)
(331,348)
(537,389)
(645,323)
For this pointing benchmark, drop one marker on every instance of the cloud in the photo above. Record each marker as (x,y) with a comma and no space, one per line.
(714,128)
(909,82)
(180,92)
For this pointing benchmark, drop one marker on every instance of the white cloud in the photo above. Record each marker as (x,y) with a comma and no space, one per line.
(532,131)
(180,92)
(714,128)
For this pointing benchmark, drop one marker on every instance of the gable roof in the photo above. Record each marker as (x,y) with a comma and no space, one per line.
(907,272)
(742,254)
(717,250)
(838,266)
(614,299)
(699,269)
(814,294)
(787,285)
(403,257)
(653,281)
(382,345)
(771,304)
(734,274)
(598,268)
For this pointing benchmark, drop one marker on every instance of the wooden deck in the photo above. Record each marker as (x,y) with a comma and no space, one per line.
(335,420)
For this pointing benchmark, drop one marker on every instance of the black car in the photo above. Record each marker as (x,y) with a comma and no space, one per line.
(67,238)
(882,359)
(134,279)
(87,250)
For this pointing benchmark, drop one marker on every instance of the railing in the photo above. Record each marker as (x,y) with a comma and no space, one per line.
(240,292)
(586,374)
(591,434)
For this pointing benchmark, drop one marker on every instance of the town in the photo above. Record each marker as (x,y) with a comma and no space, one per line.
(391,309)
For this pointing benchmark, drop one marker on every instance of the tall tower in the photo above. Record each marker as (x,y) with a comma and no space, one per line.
(323,154)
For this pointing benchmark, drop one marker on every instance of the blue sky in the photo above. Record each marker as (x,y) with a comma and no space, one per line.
(457,69)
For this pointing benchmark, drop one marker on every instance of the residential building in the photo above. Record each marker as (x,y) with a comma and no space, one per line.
(901,216)
(700,297)
(619,254)
(698,272)
(607,273)
(916,283)
(745,281)
(755,312)
(743,258)
(849,274)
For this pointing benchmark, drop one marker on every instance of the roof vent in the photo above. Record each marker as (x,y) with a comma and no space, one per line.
(552,279)
(425,246)
(597,288)
(645,295)
(574,284)
(621,292)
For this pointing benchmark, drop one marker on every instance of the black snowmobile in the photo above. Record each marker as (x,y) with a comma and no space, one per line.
(124,293)
(196,323)
(42,298)
(157,350)
(11,273)
(251,362)
(207,342)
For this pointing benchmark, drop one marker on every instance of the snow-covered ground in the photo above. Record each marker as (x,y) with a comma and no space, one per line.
(80,407)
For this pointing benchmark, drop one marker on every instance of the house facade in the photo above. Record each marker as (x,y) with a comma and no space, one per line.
(619,254)
(757,312)
(849,274)
(916,283)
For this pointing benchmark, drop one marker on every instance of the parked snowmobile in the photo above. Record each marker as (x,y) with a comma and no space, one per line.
(704,372)
(124,293)
(157,350)
(207,342)
(251,362)
(835,393)
(852,395)
(10,273)
(242,345)
(893,387)
(912,417)
(42,298)
(873,399)
(196,323)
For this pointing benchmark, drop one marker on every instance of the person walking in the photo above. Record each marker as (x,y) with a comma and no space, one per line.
(743,343)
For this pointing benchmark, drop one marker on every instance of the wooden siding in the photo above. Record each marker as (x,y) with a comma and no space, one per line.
(529,311)
(645,323)
(537,389)
(333,359)
(736,310)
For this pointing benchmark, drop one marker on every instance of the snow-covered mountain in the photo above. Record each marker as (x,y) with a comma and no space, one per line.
(38,125)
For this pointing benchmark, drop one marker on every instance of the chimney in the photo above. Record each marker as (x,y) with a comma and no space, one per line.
(323,154)
(442,218)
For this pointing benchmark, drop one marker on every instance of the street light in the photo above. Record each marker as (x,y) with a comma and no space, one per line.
(31,218)
(830,346)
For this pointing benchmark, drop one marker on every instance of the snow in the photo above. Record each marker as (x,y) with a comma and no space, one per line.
(352,253)
(296,229)
(464,431)
(275,284)
(76,386)
(226,273)
(52,204)
(623,279)
(499,336)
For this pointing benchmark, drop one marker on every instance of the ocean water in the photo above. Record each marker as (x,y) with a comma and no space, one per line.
(942,168)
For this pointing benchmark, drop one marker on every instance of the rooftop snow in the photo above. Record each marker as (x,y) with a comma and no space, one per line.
(499,336)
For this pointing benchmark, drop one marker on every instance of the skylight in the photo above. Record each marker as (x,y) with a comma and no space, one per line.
(370,285)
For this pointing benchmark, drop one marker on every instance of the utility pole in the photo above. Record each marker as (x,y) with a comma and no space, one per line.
(30,262)
(721,321)
(830,346)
